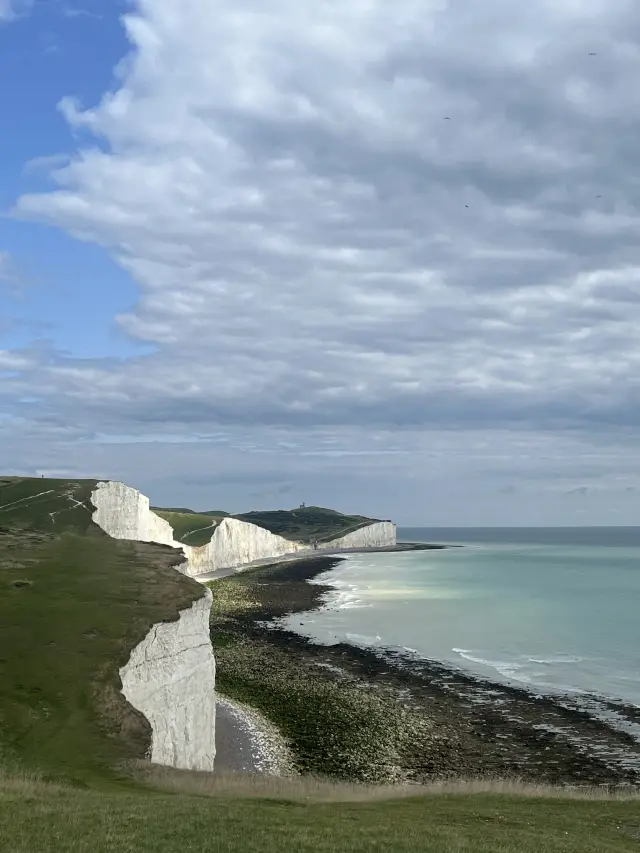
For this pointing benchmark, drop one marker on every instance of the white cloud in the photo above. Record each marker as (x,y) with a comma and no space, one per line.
(316,246)
(12,9)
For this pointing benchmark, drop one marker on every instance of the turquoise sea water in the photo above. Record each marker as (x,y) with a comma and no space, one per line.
(557,610)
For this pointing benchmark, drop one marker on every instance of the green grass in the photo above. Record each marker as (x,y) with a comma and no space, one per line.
(307,524)
(46,505)
(38,817)
(192,528)
(217,512)
(73,604)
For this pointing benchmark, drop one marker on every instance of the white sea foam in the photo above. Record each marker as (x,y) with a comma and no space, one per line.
(516,671)
(363,639)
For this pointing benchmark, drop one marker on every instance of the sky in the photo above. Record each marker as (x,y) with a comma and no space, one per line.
(382,257)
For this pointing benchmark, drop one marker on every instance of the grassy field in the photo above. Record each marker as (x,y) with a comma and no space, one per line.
(217,512)
(34,817)
(192,528)
(73,604)
(307,524)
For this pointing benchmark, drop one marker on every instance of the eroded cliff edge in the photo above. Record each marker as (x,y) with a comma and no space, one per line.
(170,675)
(170,678)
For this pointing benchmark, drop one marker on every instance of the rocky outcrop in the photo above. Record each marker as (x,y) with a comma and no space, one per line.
(377,535)
(236,543)
(170,678)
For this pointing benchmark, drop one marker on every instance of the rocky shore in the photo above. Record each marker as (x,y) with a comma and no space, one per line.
(379,716)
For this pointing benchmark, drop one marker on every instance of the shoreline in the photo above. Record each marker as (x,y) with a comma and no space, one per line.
(298,556)
(463,725)
(248,742)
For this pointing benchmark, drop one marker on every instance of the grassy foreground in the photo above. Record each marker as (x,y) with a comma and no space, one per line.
(34,817)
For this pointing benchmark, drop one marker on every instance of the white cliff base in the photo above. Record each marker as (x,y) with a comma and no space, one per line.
(170,678)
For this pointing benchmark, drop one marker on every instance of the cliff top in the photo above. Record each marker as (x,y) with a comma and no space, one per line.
(73,604)
(307,524)
(192,528)
(303,524)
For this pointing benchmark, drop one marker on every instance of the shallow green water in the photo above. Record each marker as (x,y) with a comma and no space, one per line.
(554,615)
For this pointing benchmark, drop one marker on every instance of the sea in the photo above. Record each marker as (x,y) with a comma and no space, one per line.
(556,610)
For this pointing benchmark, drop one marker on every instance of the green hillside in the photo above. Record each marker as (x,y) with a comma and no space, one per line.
(73,604)
(192,528)
(307,524)
(185,510)
(45,504)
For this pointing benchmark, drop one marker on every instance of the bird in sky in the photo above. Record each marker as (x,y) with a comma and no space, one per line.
(446,118)
(593,54)
(466,205)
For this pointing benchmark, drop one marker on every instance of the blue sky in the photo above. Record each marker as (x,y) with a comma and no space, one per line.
(58,48)
(381,257)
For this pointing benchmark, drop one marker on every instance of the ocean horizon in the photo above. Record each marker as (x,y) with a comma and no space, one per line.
(552,609)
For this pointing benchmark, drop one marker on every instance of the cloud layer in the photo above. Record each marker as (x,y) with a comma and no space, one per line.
(358,218)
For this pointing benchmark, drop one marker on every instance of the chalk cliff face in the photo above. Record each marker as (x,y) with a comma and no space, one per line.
(170,678)
(124,513)
(236,543)
(376,535)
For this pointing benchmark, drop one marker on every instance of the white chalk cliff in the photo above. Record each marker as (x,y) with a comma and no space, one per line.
(236,543)
(376,535)
(170,675)
(124,513)
(170,678)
